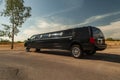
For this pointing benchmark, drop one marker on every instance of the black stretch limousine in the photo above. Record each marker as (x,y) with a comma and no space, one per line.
(83,40)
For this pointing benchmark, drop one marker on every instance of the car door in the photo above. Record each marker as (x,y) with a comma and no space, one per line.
(44,41)
(55,39)
(61,39)
(32,41)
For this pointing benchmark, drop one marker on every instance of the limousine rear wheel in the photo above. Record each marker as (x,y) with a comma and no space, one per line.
(76,51)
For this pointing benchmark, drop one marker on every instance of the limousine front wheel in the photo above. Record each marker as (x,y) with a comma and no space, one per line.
(27,49)
(76,51)
(37,50)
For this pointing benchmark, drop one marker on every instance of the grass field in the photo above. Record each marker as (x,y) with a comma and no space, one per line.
(17,46)
(20,46)
(113,44)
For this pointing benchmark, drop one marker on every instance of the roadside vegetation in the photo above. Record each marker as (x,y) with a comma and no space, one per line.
(112,43)
(6,41)
(112,39)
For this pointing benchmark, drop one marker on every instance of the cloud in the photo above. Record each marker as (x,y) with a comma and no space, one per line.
(112,30)
(1,1)
(61,11)
(2,4)
(43,26)
(96,18)
(72,5)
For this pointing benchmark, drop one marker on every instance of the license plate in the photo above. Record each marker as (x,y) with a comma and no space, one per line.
(100,41)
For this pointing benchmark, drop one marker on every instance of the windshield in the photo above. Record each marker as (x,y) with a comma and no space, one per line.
(34,37)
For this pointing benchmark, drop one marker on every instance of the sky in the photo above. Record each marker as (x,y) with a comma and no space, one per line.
(54,15)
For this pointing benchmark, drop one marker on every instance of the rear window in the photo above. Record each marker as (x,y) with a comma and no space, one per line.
(82,32)
(97,32)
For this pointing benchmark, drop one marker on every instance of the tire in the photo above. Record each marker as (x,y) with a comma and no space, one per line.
(37,50)
(27,49)
(76,51)
(90,52)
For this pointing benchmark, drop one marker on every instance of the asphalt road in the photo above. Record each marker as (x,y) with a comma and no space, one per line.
(59,65)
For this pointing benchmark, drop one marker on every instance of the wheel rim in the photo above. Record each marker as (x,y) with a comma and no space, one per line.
(76,51)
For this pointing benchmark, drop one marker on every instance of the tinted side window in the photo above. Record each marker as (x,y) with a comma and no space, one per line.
(82,33)
(34,37)
(45,36)
(40,36)
(56,34)
(97,32)
(67,32)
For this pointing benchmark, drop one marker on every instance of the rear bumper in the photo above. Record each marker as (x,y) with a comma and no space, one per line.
(101,47)
(87,47)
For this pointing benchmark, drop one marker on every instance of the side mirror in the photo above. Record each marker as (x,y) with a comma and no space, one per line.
(28,38)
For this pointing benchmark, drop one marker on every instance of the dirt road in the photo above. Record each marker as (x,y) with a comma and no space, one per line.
(52,65)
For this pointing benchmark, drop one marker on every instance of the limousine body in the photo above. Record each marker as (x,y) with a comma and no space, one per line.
(82,40)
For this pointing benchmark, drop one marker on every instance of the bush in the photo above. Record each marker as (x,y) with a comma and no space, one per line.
(4,40)
(111,39)
(19,42)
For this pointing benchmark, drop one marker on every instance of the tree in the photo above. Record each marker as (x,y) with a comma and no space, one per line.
(110,39)
(17,13)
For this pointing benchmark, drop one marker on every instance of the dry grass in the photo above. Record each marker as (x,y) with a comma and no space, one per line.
(17,46)
(113,44)
(20,46)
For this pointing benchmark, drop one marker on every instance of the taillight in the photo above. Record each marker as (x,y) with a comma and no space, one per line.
(92,40)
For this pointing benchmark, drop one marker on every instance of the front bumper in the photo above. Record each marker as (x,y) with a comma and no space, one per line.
(101,47)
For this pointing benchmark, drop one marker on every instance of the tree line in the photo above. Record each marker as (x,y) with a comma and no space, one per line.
(112,39)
